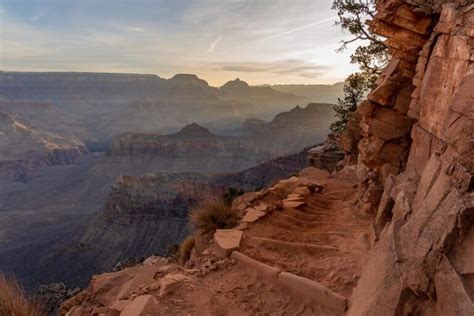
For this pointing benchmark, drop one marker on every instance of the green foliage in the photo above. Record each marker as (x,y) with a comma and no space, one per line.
(354,17)
(355,90)
(212,214)
(231,194)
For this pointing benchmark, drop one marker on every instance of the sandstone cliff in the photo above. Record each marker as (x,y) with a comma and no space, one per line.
(417,148)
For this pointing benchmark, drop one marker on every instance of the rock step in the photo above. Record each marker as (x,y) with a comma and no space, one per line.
(335,303)
(289,235)
(283,223)
(298,214)
(274,251)
(227,240)
(324,268)
(295,245)
(295,220)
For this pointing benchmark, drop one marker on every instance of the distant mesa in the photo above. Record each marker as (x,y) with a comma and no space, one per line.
(194,130)
(189,80)
(236,85)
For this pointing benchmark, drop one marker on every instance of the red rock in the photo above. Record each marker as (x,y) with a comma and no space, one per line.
(170,281)
(227,240)
(253,215)
(143,305)
(314,173)
(144,276)
(293,204)
(303,190)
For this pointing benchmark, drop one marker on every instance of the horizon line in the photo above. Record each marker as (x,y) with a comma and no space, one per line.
(164,78)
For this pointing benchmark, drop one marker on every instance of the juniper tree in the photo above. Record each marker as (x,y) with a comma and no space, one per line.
(354,17)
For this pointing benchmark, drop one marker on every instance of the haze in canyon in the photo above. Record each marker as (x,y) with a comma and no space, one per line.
(148,148)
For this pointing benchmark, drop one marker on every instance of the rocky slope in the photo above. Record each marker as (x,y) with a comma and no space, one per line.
(290,130)
(94,229)
(23,149)
(390,234)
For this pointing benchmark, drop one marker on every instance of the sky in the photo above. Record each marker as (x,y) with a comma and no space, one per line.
(259,41)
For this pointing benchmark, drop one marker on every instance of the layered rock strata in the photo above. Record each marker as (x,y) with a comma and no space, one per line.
(419,119)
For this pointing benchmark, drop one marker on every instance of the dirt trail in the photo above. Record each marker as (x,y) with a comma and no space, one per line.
(235,291)
(327,241)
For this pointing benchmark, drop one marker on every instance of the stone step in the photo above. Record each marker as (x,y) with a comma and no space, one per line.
(321,295)
(293,245)
(227,240)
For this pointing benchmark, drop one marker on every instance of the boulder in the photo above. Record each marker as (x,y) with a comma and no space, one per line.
(120,305)
(78,311)
(293,204)
(106,287)
(253,215)
(295,196)
(105,311)
(145,276)
(151,260)
(262,207)
(227,240)
(303,190)
(170,281)
(143,305)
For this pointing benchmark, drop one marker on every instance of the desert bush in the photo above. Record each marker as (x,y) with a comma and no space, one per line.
(172,251)
(280,192)
(231,194)
(13,299)
(185,249)
(211,214)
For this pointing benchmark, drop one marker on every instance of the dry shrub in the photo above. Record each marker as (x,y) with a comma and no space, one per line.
(212,214)
(280,192)
(185,249)
(13,299)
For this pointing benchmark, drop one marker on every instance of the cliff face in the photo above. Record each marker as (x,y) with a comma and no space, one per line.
(23,149)
(417,148)
(293,129)
(193,149)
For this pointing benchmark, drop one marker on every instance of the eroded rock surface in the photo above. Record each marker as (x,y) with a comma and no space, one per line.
(418,123)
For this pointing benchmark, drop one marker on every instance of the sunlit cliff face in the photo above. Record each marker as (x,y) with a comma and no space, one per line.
(260,41)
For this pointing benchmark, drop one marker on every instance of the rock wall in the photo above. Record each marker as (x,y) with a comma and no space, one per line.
(416,163)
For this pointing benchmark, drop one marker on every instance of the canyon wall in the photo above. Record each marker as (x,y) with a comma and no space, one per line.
(416,163)
(24,149)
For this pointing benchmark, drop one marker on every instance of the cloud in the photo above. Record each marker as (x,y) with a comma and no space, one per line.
(214,44)
(38,15)
(169,37)
(135,29)
(293,67)
(300,28)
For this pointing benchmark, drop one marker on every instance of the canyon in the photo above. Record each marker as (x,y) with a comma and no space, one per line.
(388,233)
(92,165)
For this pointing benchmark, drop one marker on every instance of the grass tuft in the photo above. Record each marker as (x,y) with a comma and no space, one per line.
(212,214)
(13,299)
(185,249)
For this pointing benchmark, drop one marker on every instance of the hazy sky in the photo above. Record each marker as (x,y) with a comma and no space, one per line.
(259,41)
